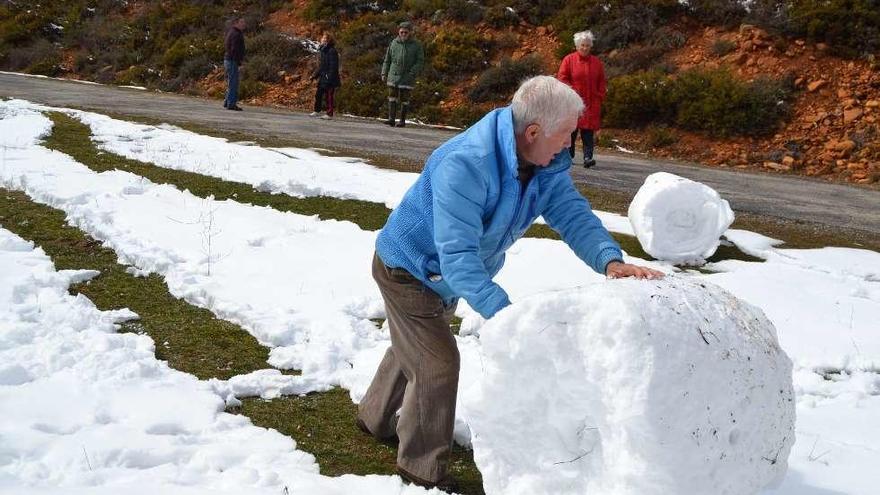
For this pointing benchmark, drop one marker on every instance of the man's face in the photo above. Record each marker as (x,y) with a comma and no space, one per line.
(240,24)
(544,147)
(403,33)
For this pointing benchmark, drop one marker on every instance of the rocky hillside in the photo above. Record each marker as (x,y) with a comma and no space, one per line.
(785,87)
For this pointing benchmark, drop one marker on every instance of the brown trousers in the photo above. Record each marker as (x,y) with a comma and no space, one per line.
(418,375)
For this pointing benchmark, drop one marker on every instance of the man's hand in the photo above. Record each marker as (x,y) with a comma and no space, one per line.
(617,269)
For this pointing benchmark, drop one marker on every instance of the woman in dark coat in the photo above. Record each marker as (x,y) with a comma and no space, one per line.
(586,75)
(327,75)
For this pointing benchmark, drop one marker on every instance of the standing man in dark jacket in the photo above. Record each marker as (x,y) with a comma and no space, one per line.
(232,62)
(404,60)
(327,75)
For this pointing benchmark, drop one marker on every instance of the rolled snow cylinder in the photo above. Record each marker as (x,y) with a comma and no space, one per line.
(677,219)
(630,387)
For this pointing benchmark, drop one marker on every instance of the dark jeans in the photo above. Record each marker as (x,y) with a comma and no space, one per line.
(231,67)
(396,93)
(324,93)
(587,139)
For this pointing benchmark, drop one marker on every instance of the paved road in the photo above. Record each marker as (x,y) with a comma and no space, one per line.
(787,197)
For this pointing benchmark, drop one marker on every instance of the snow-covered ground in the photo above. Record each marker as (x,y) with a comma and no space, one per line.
(302,287)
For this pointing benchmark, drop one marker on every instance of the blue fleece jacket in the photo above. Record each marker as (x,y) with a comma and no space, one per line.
(467,208)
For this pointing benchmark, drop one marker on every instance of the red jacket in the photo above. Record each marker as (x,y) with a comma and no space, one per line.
(586,76)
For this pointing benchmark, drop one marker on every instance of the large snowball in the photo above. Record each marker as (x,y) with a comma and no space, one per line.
(631,387)
(677,219)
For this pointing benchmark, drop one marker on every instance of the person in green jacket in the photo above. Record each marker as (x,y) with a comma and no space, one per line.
(404,60)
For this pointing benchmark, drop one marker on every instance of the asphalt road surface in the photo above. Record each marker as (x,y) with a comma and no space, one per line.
(837,206)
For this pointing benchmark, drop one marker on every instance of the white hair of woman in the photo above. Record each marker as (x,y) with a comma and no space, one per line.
(584,37)
(546,101)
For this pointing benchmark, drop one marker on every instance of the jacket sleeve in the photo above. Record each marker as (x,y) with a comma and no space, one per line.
(602,83)
(564,73)
(386,64)
(460,193)
(419,63)
(570,214)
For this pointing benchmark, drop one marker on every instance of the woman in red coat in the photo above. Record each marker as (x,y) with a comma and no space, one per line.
(586,75)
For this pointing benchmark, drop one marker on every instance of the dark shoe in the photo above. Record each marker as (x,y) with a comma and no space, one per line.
(447,484)
(234,107)
(225,105)
(392,113)
(403,109)
(589,163)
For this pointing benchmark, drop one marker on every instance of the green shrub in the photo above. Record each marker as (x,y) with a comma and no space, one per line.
(364,98)
(535,12)
(638,99)
(660,136)
(726,13)
(270,52)
(194,68)
(466,11)
(721,47)
(457,50)
(37,57)
(605,139)
(248,88)
(852,26)
(134,75)
(667,38)
(332,11)
(710,101)
(633,59)
(716,102)
(421,8)
(499,82)
(500,16)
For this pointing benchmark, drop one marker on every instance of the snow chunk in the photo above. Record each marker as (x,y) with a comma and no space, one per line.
(632,387)
(677,219)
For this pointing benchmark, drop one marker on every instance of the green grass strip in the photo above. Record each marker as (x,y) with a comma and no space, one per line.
(72,137)
(189,338)
(324,425)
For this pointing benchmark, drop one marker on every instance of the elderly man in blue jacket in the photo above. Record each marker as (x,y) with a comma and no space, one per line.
(477,195)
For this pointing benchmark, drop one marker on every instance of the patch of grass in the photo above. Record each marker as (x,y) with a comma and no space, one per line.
(72,137)
(324,425)
(272,141)
(721,47)
(192,340)
(660,136)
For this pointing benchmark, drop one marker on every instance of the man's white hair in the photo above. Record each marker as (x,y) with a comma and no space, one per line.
(584,37)
(545,101)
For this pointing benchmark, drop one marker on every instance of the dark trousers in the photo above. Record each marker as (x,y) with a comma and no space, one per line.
(231,67)
(418,375)
(587,139)
(325,94)
(399,94)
